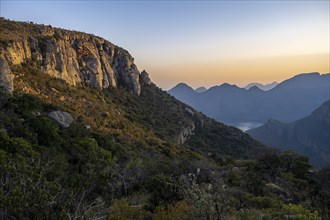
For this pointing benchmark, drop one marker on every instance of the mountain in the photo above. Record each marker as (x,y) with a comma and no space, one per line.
(200,89)
(265,87)
(85,135)
(183,92)
(72,56)
(288,101)
(79,60)
(309,136)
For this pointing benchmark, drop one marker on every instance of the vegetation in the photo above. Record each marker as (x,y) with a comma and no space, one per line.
(121,159)
(132,170)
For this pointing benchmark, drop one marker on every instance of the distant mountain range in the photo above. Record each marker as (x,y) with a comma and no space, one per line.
(201,89)
(265,87)
(84,134)
(290,100)
(309,136)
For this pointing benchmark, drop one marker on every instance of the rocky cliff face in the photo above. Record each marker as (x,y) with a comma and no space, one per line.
(6,76)
(72,56)
(185,133)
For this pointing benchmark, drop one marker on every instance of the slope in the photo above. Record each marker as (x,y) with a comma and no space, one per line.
(309,136)
(132,151)
(288,101)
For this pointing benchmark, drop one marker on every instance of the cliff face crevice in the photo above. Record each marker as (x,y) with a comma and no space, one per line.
(6,76)
(74,57)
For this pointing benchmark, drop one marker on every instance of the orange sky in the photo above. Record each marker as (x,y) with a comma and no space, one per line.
(239,72)
(201,43)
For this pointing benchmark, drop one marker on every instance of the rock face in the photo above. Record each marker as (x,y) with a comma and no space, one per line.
(6,76)
(74,57)
(64,119)
(185,133)
(189,111)
(144,78)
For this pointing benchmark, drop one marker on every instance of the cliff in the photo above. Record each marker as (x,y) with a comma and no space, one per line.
(39,55)
(6,76)
(75,57)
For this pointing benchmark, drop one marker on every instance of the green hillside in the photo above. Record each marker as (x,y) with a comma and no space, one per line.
(128,156)
(134,168)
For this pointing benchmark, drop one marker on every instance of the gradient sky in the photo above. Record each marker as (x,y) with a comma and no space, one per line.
(202,43)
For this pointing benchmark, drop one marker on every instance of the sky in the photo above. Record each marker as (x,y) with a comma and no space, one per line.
(201,43)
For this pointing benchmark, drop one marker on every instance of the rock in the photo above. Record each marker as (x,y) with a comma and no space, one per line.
(64,119)
(77,58)
(185,133)
(272,187)
(201,122)
(189,111)
(37,114)
(6,76)
(144,78)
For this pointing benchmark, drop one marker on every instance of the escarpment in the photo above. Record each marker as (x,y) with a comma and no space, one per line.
(6,76)
(75,57)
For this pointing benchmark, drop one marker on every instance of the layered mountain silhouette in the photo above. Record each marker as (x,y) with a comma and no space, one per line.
(309,136)
(82,60)
(265,87)
(85,135)
(288,101)
(200,89)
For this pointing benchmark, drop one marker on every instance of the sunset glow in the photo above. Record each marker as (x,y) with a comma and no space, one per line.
(200,43)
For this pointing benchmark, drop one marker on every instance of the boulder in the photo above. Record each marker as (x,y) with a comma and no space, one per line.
(64,119)
(189,111)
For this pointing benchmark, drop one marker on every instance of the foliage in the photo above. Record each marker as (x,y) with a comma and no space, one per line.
(164,189)
(121,210)
(120,146)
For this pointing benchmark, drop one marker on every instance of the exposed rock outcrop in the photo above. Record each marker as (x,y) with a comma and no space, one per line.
(6,76)
(185,133)
(189,111)
(74,57)
(64,119)
(144,78)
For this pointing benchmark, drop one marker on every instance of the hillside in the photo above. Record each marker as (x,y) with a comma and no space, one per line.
(121,148)
(290,100)
(309,136)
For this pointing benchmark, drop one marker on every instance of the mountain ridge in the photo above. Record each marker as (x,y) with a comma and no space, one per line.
(200,89)
(264,87)
(309,136)
(289,100)
(28,62)
(129,155)
(75,57)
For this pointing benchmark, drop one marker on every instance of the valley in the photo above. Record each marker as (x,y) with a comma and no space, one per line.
(129,150)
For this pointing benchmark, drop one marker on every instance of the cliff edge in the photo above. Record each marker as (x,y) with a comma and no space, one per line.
(73,56)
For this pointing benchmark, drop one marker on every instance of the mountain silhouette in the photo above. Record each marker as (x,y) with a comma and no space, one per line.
(288,101)
(309,136)
(265,87)
(200,89)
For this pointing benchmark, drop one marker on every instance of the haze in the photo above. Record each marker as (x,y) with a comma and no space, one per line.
(202,43)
